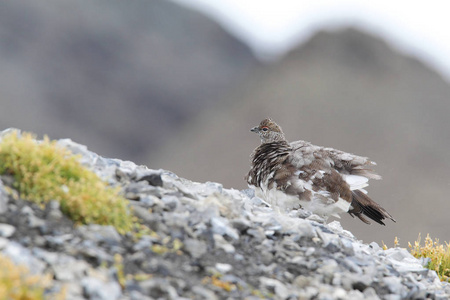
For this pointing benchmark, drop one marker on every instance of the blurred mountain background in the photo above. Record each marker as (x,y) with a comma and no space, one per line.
(165,86)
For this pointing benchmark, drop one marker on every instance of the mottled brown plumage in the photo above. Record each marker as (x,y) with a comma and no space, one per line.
(324,180)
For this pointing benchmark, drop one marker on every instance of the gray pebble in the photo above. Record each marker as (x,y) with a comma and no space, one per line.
(203,293)
(6,230)
(100,233)
(170,202)
(95,289)
(195,248)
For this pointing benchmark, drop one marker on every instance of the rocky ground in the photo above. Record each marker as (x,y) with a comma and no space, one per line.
(204,242)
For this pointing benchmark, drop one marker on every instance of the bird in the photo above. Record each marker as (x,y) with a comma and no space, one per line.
(319,179)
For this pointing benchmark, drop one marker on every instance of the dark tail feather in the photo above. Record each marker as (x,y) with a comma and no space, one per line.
(362,204)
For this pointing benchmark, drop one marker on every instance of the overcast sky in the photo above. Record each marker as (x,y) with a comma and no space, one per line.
(270,28)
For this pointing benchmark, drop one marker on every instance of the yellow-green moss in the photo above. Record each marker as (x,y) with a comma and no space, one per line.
(17,284)
(44,171)
(168,246)
(439,255)
(118,264)
(216,281)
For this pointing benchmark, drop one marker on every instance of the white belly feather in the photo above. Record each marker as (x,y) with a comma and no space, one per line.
(320,202)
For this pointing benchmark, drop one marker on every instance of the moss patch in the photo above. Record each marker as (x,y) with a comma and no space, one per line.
(17,283)
(44,171)
(439,255)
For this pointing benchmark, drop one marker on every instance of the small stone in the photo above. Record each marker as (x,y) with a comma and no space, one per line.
(153,179)
(257,233)
(195,248)
(424,261)
(272,225)
(203,293)
(153,220)
(347,247)
(58,240)
(375,246)
(392,297)
(440,296)
(144,242)
(306,229)
(340,293)
(302,281)
(256,201)
(310,251)
(23,256)
(275,286)
(361,282)
(354,295)
(329,267)
(212,187)
(350,264)
(239,257)
(99,254)
(100,233)
(149,200)
(403,261)
(185,190)
(316,218)
(49,257)
(241,224)
(223,268)
(170,202)
(221,243)
(93,288)
(300,213)
(250,193)
(6,230)
(35,222)
(266,257)
(221,226)
(370,294)
(63,273)
(158,288)
(3,199)
(135,295)
(39,241)
(31,219)
(3,243)
(26,211)
(53,211)
(335,226)
(394,284)
(127,169)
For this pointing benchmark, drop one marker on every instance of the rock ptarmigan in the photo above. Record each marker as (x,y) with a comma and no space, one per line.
(322,180)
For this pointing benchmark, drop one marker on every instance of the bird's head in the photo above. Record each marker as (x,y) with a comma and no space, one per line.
(269,131)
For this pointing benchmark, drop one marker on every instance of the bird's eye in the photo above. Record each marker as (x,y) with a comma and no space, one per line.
(264,129)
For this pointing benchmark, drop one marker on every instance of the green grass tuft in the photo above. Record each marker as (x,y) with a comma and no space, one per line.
(439,255)
(44,171)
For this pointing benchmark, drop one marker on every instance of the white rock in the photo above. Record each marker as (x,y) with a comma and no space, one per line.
(223,268)
(6,230)
(221,243)
(277,286)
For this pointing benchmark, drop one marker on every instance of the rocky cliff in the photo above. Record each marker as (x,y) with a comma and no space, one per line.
(203,242)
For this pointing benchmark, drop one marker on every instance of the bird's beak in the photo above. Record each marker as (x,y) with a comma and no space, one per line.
(254,129)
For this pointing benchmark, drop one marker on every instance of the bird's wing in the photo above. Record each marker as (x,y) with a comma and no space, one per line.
(350,164)
(353,169)
(314,174)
